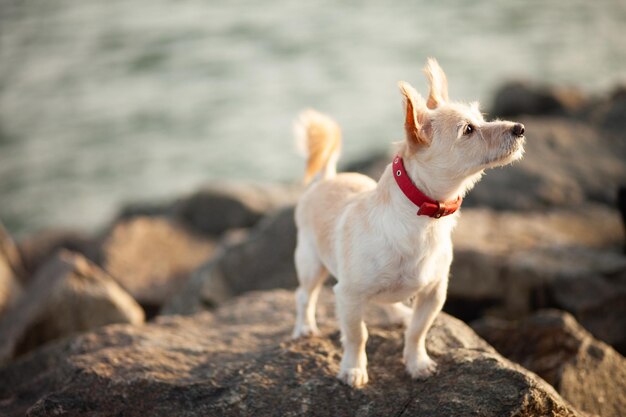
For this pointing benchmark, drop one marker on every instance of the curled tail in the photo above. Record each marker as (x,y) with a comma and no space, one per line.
(319,138)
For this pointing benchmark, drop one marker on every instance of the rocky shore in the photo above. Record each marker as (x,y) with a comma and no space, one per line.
(185,307)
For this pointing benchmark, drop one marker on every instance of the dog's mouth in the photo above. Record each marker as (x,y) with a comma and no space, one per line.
(512,151)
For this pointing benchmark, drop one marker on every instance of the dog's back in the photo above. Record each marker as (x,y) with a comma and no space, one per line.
(322,204)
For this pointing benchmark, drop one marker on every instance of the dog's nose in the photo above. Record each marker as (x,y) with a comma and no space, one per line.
(518,129)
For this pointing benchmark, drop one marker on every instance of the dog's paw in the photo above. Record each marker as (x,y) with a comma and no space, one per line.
(305,331)
(422,369)
(355,377)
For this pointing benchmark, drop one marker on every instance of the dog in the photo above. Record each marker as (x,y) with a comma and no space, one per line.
(390,241)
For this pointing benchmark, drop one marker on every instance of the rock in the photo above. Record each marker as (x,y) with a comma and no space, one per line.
(144,209)
(10,288)
(505,263)
(597,301)
(610,113)
(373,166)
(567,162)
(585,371)
(520,262)
(621,206)
(68,295)
(11,255)
(240,361)
(12,274)
(262,260)
(523,98)
(152,257)
(489,245)
(218,208)
(37,249)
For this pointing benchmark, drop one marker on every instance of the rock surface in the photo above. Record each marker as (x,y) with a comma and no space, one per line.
(373,166)
(12,273)
(11,254)
(597,301)
(585,371)
(152,257)
(37,249)
(262,260)
(509,263)
(240,361)
(67,295)
(621,207)
(611,113)
(218,208)
(10,287)
(519,97)
(493,250)
(560,258)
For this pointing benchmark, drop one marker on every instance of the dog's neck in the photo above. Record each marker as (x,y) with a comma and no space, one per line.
(438,187)
(436,183)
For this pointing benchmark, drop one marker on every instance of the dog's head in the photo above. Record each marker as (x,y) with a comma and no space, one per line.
(453,138)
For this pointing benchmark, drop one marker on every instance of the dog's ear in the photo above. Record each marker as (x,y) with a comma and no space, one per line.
(416,124)
(438,84)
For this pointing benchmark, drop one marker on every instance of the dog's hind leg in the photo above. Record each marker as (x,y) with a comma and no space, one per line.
(311,275)
(398,313)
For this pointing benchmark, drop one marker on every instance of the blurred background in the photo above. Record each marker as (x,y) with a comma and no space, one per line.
(103,103)
(147,169)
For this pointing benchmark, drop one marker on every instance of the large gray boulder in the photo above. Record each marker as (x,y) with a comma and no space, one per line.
(240,361)
(597,301)
(373,165)
(152,257)
(515,263)
(217,208)
(69,294)
(493,249)
(523,98)
(609,112)
(38,248)
(586,372)
(262,260)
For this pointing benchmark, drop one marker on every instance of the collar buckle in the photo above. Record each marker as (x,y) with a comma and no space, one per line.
(441,210)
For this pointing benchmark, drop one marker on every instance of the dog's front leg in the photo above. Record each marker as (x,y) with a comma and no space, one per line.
(427,305)
(353,368)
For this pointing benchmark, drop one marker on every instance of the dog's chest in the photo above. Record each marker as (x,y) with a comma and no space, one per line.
(412,266)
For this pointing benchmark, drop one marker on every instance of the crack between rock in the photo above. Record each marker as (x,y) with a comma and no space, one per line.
(404,408)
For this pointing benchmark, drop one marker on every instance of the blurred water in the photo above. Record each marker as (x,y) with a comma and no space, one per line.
(103,102)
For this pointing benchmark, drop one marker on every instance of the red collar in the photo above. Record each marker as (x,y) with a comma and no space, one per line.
(427,206)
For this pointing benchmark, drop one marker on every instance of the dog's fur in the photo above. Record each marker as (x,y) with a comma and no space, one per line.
(368,235)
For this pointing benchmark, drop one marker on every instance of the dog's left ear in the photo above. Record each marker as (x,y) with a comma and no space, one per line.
(416,124)
(438,84)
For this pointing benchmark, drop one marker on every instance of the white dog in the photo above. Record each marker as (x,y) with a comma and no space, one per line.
(390,241)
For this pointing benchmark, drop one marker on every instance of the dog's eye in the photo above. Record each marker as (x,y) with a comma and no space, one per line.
(468,129)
